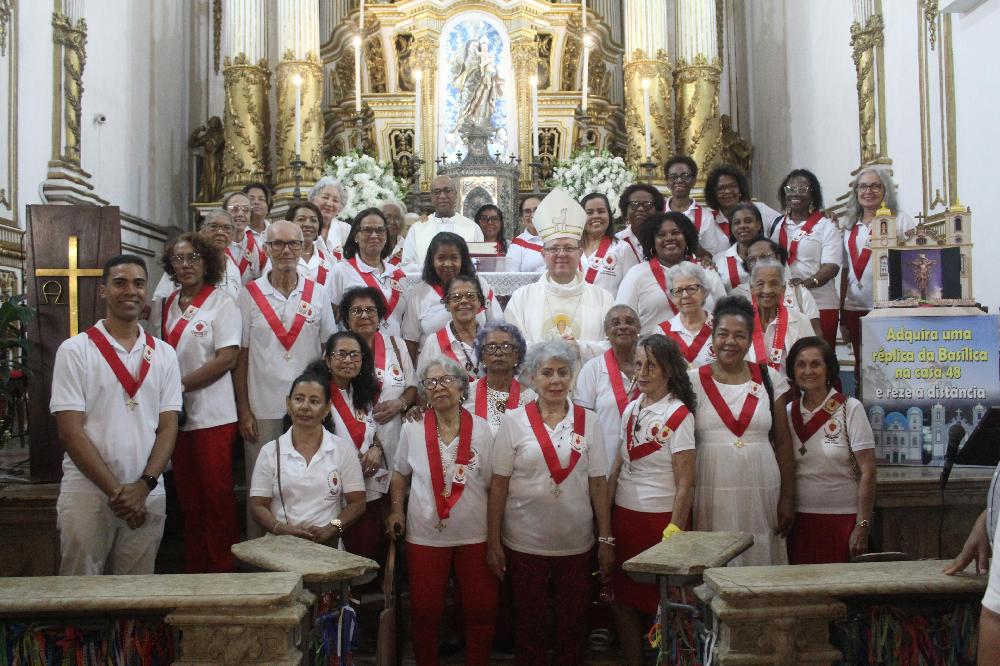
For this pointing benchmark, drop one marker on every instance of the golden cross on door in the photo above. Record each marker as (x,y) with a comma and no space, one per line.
(72,274)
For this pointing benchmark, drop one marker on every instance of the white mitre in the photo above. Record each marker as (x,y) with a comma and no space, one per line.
(559,216)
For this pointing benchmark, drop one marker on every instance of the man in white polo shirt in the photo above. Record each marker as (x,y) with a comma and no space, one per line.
(525,252)
(116,392)
(444,196)
(286,320)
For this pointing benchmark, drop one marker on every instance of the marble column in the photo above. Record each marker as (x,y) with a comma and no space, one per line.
(298,44)
(866,47)
(524,50)
(646,58)
(696,84)
(246,119)
(425,49)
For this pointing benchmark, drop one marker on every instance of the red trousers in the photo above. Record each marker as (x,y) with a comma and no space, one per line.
(828,323)
(203,473)
(366,537)
(570,577)
(634,532)
(821,538)
(430,568)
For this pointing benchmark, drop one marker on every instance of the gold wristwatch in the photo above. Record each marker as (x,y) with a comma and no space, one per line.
(339,524)
(864,523)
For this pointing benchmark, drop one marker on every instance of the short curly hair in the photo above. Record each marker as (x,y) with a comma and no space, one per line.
(500,326)
(651,226)
(712,184)
(213,259)
(659,203)
(815,191)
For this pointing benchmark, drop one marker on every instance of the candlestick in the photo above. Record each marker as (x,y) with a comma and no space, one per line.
(586,72)
(297,81)
(418,77)
(361,18)
(357,74)
(645,117)
(534,115)
(584,3)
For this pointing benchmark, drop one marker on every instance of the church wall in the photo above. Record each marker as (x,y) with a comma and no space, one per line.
(34,100)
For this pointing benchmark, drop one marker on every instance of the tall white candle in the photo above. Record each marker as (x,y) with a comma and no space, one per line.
(586,73)
(361,18)
(534,116)
(357,74)
(646,118)
(584,3)
(418,77)
(297,81)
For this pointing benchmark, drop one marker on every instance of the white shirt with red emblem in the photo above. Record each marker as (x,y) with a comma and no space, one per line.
(609,269)
(642,292)
(396,375)
(730,267)
(344,276)
(710,236)
(523,259)
(425,313)
(367,438)
(822,245)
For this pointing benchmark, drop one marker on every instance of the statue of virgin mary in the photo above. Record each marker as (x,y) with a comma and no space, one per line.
(475,77)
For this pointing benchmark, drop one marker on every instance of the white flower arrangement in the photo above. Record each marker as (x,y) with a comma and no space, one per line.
(366,181)
(589,171)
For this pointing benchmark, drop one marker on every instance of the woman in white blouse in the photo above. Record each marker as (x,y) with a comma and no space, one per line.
(652,481)
(691,327)
(834,461)
(202,323)
(329,196)
(445,464)
(777,326)
(549,488)
(463,298)
(747,225)
(601,262)
(316,261)
(308,482)
(499,349)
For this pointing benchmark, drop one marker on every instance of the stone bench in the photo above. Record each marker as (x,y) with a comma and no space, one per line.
(316,563)
(222,618)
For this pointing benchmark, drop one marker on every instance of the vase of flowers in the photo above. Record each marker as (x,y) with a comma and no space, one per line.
(366,181)
(592,171)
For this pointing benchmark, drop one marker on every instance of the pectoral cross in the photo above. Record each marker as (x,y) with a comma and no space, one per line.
(72,274)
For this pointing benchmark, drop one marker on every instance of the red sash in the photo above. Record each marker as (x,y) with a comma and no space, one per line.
(602,250)
(173,337)
(252,246)
(697,218)
(286,338)
(722,225)
(355,428)
(242,265)
(661,279)
(395,259)
(525,244)
(636,451)
(690,353)
(396,276)
(556,471)
(480,405)
(818,420)
(734,272)
(444,342)
(793,249)
(859,258)
(773,358)
(444,497)
(740,425)
(128,382)
(617,385)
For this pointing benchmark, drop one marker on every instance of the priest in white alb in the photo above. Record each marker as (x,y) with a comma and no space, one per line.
(561,304)
(444,196)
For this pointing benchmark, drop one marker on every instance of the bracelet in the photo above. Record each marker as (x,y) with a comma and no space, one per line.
(405,404)
(274,528)
(863,523)
(610,541)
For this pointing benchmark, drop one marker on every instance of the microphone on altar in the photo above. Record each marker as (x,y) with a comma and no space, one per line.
(981,448)
(955,434)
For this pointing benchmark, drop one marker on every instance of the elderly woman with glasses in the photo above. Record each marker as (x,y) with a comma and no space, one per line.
(776,327)
(691,327)
(499,349)
(202,322)
(463,298)
(247,250)
(682,172)
(353,393)
(667,239)
(797,297)
(219,230)
(329,197)
(445,464)
(316,261)
(364,265)
(815,249)
(361,312)
(549,490)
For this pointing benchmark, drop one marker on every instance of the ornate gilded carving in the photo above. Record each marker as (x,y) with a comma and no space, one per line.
(572,55)
(930,17)
(342,76)
(549,144)
(661,113)
(312,120)
(544,41)
(403,46)
(211,138)
(699,128)
(600,78)
(246,121)
(5,9)
(425,50)
(73,40)
(735,149)
(401,152)
(216,33)
(864,42)
(524,54)
(375,60)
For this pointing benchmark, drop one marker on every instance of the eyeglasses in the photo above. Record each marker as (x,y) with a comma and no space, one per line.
(690,290)
(801,189)
(872,187)
(640,205)
(371,231)
(470,296)
(494,348)
(228,228)
(728,188)
(239,209)
(279,246)
(358,311)
(446,381)
(753,259)
(490,219)
(181,259)
(438,191)
(679,177)
(343,355)
(528,212)
(562,249)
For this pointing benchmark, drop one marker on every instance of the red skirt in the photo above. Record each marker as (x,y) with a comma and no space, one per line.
(821,538)
(635,531)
